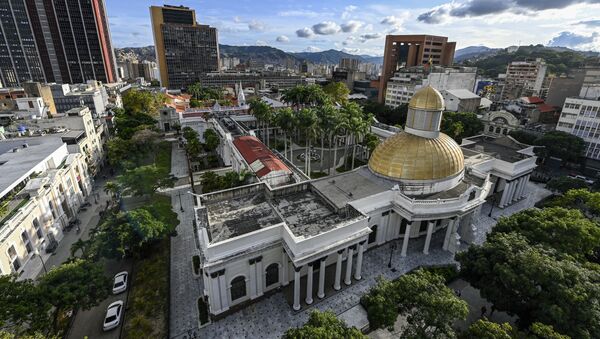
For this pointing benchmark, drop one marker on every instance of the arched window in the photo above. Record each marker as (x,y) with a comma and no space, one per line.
(373,234)
(491,129)
(272,274)
(498,129)
(238,288)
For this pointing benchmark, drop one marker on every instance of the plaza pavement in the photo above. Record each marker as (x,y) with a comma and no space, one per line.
(271,316)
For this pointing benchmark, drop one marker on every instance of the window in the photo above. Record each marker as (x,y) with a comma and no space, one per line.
(26,242)
(38,229)
(238,288)
(373,234)
(272,274)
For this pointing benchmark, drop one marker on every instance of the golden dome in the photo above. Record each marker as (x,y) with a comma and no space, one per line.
(410,157)
(427,98)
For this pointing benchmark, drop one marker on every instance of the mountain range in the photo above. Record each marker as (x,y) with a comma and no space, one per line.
(266,54)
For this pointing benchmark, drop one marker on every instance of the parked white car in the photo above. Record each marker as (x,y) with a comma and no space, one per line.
(120,282)
(113,315)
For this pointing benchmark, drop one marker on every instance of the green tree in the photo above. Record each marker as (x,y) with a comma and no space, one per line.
(129,123)
(145,102)
(145,180)
(381,304)
(564,183)
(204,93)
(581,199)
(263,113)
(535,283)
(484,329)
(23,306)
(323,325)
(211,140)
(337,91)
(429,305)
(566,230)
(79,284)
(543,331)
(285,120)
(561,145)
(461,125)
(308,122)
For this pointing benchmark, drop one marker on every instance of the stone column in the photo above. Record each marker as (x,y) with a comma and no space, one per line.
(322,268)
(348,279)
(215,295)
(223,289)
(505,194)
(454,240)
(297,288)
(259,276)
(511,192)
(338,271)
(405,240)
(449,230)
(252,279)
(309,284)
(284,269)
(359,259)
(430,225)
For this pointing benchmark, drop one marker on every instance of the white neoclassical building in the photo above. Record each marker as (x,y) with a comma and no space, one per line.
(312,235)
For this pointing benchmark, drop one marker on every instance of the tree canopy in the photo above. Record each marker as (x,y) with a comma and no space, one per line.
(144,180)
(459,125)
(211,140)
(337,91)
(566,230)
(143,102)
(535,283)
(581,199)
(564,184)
(561,145)
(485,329)
(430,307)
(23,306)
(323,325)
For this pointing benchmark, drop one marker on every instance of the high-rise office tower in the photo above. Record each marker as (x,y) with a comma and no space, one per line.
(81,39)
(413,50)
(185,50)
(19,56)
(64,41)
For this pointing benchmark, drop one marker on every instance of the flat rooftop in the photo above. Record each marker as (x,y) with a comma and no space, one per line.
(14,166)
(503,148)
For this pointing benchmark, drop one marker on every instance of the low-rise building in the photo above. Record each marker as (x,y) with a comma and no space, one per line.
(41,188)
(259,159)
(461,100)
(92,94)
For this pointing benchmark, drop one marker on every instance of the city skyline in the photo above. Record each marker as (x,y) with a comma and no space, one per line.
(361,28)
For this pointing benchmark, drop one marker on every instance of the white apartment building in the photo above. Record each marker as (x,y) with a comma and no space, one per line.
(403,85)
(41,187)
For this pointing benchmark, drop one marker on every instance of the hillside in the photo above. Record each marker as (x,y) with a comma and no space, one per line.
(267,54)
(559,60)
(473,52)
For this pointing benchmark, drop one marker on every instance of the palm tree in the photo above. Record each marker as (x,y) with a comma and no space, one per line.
(285,121)
(111,188)
(307,119)
(296,96)
(261,111)
(327,123)
(359,128)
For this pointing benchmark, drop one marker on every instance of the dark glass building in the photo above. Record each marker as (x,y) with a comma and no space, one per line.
(64,41)
(185,50)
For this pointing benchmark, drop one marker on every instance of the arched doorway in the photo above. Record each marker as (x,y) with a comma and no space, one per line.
(238,288)
(272,274)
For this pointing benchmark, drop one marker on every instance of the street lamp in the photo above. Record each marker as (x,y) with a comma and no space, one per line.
(392,248)
(180,205)
(37,252)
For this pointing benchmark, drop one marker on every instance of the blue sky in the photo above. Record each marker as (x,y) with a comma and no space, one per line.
(360,26)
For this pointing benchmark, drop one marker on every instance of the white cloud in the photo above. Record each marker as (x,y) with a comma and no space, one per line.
(299,13)
(261,43)
(351,50)
(304,32)
(370,36)
(312,49)
(326,28)
(237,19)
(282,38)
(255,25)
(351,26)
(348,11)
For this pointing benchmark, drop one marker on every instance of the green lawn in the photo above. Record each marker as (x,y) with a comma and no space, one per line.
(163,155)
(147,313)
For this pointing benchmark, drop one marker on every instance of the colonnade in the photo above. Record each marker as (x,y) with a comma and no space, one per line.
(514,190)
(321,262)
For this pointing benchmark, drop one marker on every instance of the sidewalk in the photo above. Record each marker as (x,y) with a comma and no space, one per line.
(89,219)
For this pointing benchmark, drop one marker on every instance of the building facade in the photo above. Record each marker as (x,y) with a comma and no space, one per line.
(403,51)
(524,78)
(43,187)
(55,41)
(418,184)
(185,50)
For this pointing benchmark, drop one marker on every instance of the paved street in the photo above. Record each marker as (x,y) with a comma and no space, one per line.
(272,316)
(89,323)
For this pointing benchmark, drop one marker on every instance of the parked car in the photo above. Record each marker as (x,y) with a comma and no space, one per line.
(113,315)
(120,282)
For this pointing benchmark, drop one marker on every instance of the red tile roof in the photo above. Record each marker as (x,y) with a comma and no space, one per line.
(544,108)
(253,149)
(534,100)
